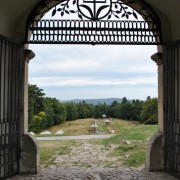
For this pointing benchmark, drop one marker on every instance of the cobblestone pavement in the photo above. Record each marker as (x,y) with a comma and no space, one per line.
(95,174)
(86,155)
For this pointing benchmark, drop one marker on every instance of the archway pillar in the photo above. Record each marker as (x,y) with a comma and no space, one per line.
(29,157)
(154,152)
(157,57)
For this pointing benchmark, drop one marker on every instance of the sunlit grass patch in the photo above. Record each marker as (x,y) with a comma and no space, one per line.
(141,132)
(46,156)
(49,150)
(76,127)
(132,155)
(132,144)
(136,159)
(119,151)
(128,145)
(63,150)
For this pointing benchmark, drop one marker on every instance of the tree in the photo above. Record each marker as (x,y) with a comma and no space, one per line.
(54,111)
(137,106)
(71,111)
(124,111)
(127,110)
(81,111)
(35,102)
(37,122)
(113,104)
(101,109)
(49,121)
(124,100)
(58,110)
(149,111)
(116,111)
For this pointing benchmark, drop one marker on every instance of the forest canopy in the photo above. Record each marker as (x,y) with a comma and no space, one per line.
(44,112)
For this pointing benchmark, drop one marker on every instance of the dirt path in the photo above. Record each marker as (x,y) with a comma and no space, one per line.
(89,161)
(99,136)
(88,155)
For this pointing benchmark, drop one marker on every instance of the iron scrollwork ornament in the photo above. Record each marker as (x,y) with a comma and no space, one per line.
(95,9)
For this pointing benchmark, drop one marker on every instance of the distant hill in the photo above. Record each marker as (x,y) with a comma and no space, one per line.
(108,101)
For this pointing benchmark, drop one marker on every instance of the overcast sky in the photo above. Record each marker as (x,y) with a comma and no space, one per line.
(85,71)
(102,71)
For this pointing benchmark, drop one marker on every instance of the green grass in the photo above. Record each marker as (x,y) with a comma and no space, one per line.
(136,159)
(63,150)
(76,127)
(46,155)
(116,124)
(119,151)
(49,150)
(141,132)
(131,155)
(82,126)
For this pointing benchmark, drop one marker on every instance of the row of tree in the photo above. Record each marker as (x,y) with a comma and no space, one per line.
(45,112)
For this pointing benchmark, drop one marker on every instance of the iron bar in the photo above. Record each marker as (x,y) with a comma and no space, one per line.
(172,119)
(93,32)
(10,61)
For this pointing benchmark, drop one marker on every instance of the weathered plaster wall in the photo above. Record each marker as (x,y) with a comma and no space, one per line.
(13,16)
(169,12)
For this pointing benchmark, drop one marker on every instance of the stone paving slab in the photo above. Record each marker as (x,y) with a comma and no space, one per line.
(95,174)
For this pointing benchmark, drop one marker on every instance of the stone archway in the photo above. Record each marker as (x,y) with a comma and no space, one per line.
(13,17)
(149,15)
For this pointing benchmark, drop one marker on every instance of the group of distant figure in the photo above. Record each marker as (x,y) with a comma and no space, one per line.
(106,121)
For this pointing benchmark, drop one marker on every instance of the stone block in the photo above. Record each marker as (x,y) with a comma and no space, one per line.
(29,162)
(154,153)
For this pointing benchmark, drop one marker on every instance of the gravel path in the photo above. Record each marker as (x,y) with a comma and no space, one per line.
(84,154)
(89,161)
(100,136)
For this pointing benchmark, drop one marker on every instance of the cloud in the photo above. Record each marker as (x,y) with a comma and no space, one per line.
(63,66)
(68,82)
(101,71)
(131,92)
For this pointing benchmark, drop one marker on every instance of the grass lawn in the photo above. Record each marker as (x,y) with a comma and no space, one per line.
(49,149)
(132,142)
(82,126)
(77,127)
(130,137)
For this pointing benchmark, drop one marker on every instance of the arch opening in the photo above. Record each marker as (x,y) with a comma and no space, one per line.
(81,62)
(41,28)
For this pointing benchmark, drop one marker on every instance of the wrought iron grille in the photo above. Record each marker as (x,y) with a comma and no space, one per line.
(10,61)
(94,22)
(93,32)
(172,111)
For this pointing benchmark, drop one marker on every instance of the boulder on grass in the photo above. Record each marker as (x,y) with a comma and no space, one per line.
(32,133)
(45,132)
(60,132)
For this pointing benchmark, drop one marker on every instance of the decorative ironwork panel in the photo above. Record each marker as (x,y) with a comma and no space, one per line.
(93,32)
(10,69)
(96,9)
(172,108)
(94,22)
